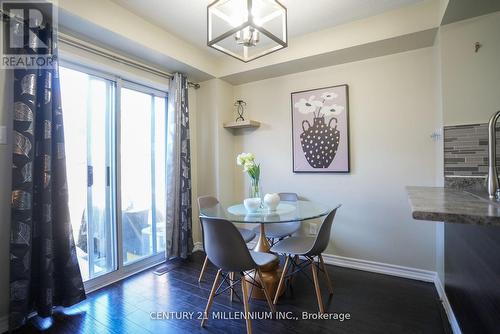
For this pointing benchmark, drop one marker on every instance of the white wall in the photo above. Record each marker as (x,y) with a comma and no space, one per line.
(214,144)
(393,107)
(470,81)
(193,133)
(6,104)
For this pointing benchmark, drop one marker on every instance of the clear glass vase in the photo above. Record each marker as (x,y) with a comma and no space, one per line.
(255,190)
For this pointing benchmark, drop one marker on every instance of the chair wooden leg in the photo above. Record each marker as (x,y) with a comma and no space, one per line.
(281,282)
(211,298)
(330,286)
(244,291)
(316,287)
(231,281)
(203,269)
(250,293)
(266,293)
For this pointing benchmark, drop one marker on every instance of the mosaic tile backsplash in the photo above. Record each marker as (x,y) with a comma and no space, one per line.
(466,150)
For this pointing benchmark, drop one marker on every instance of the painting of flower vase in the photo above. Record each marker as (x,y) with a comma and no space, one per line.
(320,125)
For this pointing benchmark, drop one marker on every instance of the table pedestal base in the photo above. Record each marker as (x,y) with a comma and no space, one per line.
(271,272)
(271,280)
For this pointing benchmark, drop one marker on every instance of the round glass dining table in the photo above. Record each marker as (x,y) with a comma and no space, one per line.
(285,212)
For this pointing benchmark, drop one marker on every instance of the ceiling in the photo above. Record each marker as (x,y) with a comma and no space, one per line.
(463,9)
(187,18)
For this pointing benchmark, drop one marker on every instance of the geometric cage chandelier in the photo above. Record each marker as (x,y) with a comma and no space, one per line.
(247,29)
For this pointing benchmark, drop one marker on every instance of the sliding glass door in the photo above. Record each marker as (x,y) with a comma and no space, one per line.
(143,136)
(88,108)
(115,135)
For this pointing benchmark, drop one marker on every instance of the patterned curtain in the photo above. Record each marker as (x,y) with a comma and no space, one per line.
(44,269)
(179,221)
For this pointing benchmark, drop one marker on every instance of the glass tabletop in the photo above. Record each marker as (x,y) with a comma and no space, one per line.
(285,212)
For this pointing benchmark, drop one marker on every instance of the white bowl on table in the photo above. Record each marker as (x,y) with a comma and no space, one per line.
(252,204)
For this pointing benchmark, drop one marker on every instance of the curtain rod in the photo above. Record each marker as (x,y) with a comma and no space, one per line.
(119,59)
(66,39)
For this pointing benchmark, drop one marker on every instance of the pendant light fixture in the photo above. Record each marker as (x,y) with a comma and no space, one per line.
(246,29)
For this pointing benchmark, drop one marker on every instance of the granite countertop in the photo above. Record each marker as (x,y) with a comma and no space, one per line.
(452,206)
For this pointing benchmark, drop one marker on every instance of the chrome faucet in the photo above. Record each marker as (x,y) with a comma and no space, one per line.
(492,156)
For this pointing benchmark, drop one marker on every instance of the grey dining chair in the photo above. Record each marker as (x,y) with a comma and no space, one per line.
(210,201)
(309,248)
(279,231)
(227,250)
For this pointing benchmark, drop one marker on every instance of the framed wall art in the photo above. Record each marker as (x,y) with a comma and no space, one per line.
(320,130)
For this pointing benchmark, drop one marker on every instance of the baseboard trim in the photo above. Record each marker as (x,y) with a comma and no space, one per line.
(365,265)
(380,268)
(198,247)
(447,306)
(4,323)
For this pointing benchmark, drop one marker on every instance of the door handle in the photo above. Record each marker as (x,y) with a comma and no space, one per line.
(90,176)
(108,175)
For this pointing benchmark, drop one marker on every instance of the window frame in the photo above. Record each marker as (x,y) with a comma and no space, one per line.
(121,270)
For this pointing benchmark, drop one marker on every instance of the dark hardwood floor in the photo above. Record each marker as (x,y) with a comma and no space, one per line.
(376,304)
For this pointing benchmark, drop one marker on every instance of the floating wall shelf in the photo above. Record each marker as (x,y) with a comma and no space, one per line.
(242,124)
